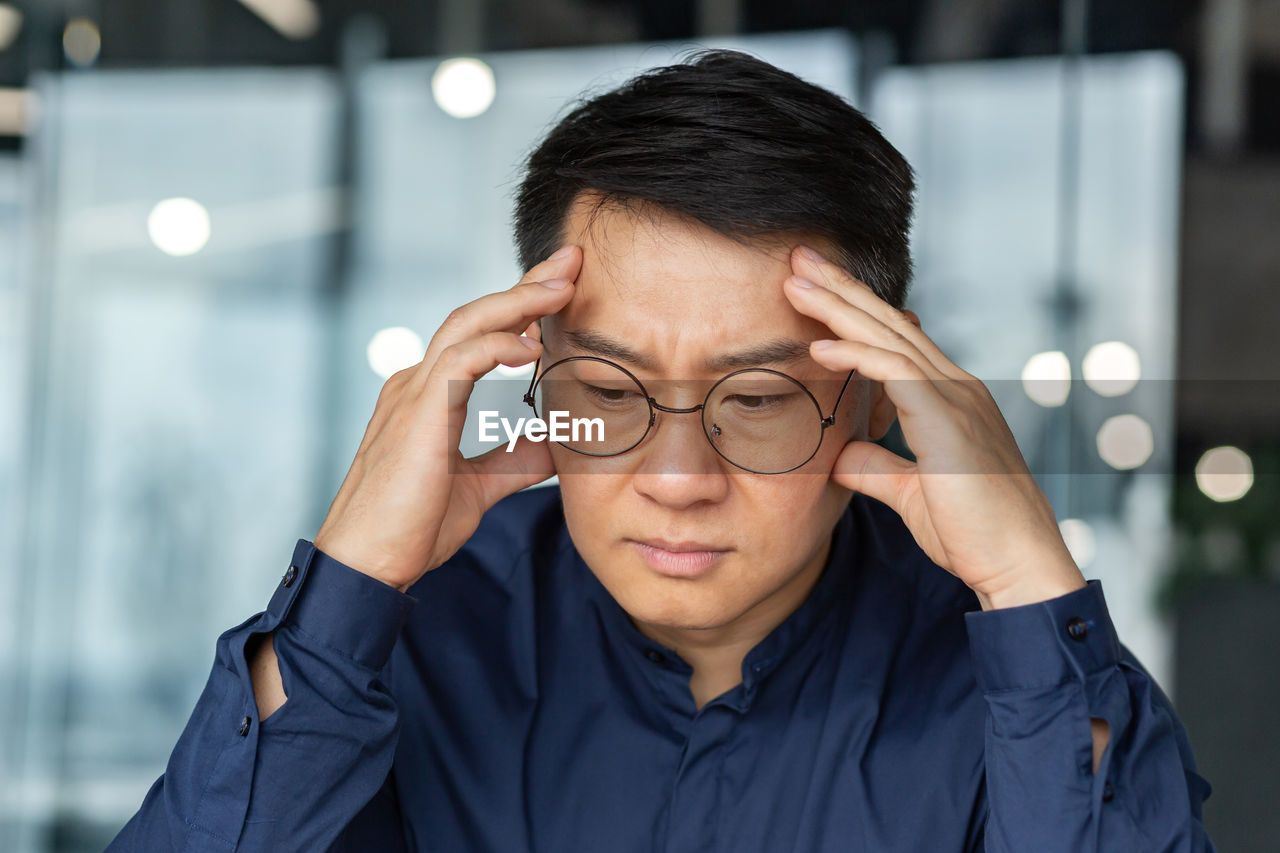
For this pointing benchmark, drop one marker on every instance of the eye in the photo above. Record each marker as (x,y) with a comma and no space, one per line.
(757,402)
(610,395)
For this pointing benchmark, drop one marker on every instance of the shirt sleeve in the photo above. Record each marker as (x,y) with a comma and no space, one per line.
(295,781)
(1045,670)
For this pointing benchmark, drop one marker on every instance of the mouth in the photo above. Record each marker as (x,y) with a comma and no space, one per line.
(684,559)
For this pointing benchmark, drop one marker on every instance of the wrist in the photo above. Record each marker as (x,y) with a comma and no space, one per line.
(338,554)
(1061,579)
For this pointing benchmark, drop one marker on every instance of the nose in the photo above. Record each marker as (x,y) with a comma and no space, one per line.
(678,467)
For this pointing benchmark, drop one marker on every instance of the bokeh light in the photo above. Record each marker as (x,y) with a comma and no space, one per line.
(10,24)
(1046,377)
(1224,473)
(1078,534)
(1125,441)
(81,42)
(393,349)
(179,226)
(294,19)
(1111,368)
(464,87)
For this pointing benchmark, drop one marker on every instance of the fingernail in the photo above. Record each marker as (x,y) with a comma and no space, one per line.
(562,252)
(802,282)
(529,342)
(812,255)
(823,344)
(555,283)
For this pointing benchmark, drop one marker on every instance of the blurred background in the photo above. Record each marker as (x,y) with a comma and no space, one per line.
(223,223)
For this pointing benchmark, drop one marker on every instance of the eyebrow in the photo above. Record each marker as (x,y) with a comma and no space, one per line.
(776,351)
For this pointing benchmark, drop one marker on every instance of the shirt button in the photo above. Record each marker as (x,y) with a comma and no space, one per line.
(244,726)
(1108,793)
(655,655)
(1077,629)
(289,575)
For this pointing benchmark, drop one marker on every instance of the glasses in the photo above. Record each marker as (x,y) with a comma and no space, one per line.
(759,420)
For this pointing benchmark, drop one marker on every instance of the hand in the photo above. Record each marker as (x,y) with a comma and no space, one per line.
(410,499)
(969,499)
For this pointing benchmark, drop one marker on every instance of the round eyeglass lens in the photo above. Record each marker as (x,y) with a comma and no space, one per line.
(603,410)
(763,421)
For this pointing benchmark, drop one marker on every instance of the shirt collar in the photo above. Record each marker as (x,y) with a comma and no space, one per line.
(791,634)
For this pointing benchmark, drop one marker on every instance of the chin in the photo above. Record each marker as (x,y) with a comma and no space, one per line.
(675,603)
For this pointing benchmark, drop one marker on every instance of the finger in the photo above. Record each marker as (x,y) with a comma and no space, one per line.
(909,388)
(853,323)
(501,473)
(509,311)
(808,263)
(563,263)
(506,310)
(875,471)
(451,380)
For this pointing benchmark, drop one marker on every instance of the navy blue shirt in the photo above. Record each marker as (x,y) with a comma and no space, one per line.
(507,703)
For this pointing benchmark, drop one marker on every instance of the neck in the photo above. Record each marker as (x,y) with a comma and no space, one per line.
(716,653)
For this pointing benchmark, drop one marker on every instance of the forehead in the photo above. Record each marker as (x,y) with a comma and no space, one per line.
(665,283)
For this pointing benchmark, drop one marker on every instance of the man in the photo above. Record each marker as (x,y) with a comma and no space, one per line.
(737,624)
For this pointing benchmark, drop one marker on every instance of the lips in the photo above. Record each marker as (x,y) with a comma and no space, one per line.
(679,547)
(684,559)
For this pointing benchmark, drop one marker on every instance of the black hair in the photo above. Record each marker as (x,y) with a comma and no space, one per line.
(747,149)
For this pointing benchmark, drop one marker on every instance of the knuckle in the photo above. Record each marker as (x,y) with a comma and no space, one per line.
(391,388)
(456,320)
(895,337)
(896,317)
(905,362)
(450,358)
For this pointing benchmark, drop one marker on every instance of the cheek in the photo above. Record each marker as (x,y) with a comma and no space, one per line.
(802,503)
(590,492)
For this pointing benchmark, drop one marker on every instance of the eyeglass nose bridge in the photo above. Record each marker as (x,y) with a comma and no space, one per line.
(655,405)
(661,408)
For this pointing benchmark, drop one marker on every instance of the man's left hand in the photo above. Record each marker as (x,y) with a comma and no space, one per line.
(969,499)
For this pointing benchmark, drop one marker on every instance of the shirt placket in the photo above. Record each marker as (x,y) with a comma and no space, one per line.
(696,794)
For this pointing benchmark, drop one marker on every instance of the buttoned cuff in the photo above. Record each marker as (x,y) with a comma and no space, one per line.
(356,615)
(1068,638)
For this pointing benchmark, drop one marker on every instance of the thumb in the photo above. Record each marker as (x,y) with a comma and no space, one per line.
(500,473)
(874,471)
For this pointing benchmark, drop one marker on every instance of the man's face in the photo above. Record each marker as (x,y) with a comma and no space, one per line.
(679,295)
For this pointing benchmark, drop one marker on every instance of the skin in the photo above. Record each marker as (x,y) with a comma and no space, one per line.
(700,295)
(677,294)
(678,275)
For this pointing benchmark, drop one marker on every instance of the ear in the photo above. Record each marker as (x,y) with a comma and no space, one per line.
(883,411)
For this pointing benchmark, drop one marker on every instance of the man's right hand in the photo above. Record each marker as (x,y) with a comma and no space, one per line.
(410,499)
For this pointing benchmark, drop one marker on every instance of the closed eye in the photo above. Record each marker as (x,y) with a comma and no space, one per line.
(757,403)
(610,395)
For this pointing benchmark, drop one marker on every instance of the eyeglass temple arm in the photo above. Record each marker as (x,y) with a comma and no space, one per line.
(533,380)
(831,418)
